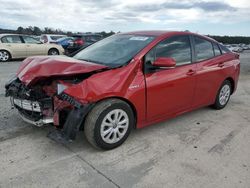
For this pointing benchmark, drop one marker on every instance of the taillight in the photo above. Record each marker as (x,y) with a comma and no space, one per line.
(79,42)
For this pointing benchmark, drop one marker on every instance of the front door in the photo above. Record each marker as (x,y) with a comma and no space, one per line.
(15,45)
(170,91)
(33,46)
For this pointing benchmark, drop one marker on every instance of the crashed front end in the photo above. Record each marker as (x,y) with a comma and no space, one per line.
(46,103)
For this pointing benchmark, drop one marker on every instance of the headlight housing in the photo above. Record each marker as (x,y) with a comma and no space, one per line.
(65,97)
(61,88)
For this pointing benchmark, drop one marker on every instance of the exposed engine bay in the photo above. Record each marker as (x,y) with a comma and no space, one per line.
(45,103)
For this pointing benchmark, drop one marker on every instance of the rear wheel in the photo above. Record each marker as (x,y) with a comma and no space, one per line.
(4,56)
(109,123)
(223,95)
(53,51)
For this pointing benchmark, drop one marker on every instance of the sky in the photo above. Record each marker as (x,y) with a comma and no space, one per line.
(214,17)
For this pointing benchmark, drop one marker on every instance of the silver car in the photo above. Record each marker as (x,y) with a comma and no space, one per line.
(20,46)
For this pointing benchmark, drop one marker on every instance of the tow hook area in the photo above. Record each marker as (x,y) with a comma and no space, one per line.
(71,125)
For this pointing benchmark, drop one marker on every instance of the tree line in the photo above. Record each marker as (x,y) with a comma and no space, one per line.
(34,30)
(231,39)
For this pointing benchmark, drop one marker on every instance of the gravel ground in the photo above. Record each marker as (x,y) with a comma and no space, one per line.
(203,148)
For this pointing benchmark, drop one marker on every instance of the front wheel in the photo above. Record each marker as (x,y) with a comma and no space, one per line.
(53,51)
(223,95)
(4,56)
(109,123)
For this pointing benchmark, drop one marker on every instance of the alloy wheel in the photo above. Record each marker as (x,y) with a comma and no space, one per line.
(4,56)
(114,126)
(224,94)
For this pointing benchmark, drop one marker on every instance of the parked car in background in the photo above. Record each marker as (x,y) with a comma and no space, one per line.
(236,48)
(36,37)
(64,42)
(49,38)
(20,46)
(126,81)
(81,41)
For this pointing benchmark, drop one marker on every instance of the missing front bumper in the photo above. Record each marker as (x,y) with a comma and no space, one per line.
(31,112)
(38,123)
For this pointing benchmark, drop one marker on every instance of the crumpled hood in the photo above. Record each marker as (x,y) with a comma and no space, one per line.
(34,68)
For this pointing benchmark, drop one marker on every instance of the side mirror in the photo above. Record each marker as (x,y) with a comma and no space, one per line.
(166,62)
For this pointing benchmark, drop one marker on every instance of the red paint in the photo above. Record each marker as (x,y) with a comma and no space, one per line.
(154,96)
(35,68)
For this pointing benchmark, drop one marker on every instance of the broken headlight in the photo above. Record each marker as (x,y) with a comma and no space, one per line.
(61,88)
(65,97)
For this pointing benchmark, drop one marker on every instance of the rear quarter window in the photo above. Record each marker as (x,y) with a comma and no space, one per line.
(217,51)
(224,49)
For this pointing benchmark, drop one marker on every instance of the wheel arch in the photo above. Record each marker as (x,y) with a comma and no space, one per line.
(54,48)
(132,106)
(7,50)
(231,80)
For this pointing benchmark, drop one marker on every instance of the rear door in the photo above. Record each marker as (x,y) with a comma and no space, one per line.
(170,91)
(15,44)
(209,65)
(33,46)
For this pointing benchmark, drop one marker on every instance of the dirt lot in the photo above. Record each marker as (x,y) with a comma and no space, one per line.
(204,148)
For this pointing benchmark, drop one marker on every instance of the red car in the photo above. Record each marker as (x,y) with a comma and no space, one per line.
(125,81)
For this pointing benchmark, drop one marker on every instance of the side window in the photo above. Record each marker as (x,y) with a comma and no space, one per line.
(30,40)
(217,51)
(11,39)
(203,49)
(177,47)
(224,49)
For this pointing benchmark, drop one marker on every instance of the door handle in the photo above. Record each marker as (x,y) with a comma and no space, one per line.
(190,72)
(221,65)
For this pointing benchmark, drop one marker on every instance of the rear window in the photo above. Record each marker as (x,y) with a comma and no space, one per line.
(203,48)
(11,39)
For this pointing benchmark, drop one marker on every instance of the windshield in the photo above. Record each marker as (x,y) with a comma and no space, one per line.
(114,51)
(56,37)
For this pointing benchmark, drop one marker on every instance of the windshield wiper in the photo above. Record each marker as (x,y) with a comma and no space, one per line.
(92,61)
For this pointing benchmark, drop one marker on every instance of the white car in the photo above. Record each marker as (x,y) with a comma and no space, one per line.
(14,46)
(235,48)
(50,38)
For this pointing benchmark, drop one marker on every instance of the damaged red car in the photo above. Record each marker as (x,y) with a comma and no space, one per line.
(126,81)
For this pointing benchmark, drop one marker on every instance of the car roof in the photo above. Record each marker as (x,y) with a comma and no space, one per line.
(53,35)
(86,34)
(5,34)
(162,33)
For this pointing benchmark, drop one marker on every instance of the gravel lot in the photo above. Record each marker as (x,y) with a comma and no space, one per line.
(203,148)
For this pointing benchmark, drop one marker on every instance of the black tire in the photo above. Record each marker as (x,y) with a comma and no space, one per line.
(7,56)
(53,51)
(218,105)
(92,126)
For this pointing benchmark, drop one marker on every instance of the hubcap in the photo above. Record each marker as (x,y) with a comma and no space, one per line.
(224,94)
(114,126)
(4,56)
(54,52)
